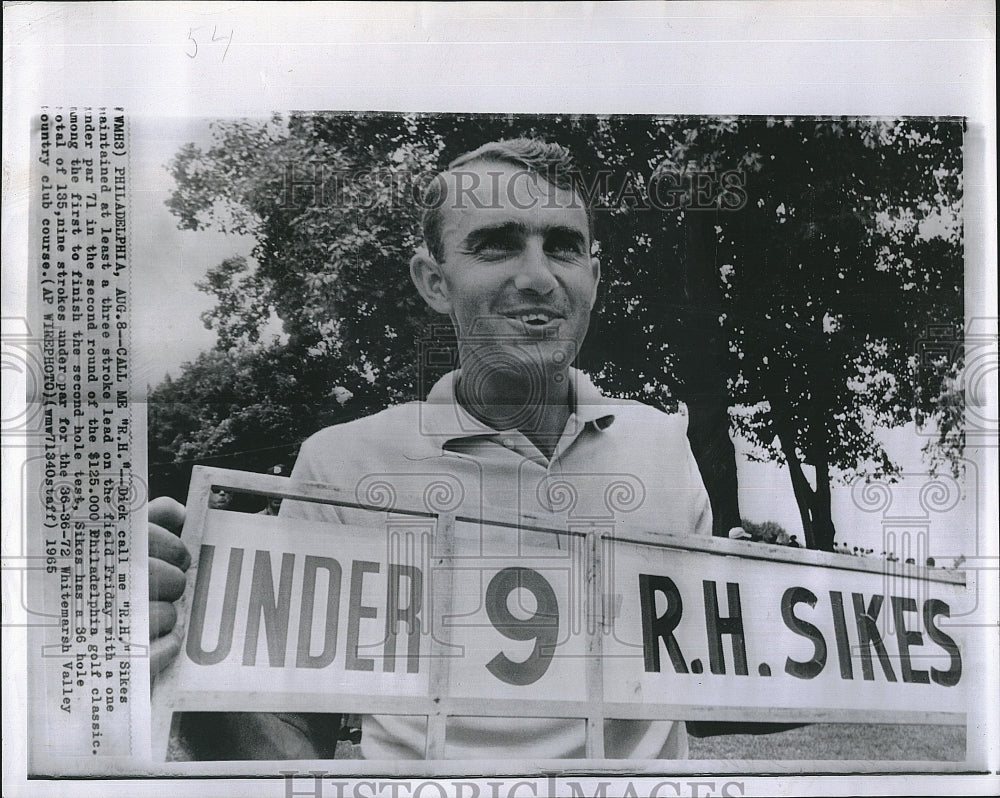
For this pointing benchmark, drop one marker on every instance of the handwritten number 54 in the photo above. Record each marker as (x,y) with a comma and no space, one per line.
(191,50)
(542,626)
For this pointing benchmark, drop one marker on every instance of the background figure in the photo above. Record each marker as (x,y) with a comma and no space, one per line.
(273,504)
(220,499)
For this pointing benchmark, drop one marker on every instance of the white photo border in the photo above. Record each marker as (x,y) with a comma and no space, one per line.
(801,58)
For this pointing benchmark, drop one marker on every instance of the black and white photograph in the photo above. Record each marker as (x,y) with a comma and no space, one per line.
(496,440)
(604,317)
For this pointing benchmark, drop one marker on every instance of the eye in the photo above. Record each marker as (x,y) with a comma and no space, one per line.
(565,246)
(496,250)
(495,246)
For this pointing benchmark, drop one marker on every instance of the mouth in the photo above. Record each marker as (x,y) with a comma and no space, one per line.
(535,319)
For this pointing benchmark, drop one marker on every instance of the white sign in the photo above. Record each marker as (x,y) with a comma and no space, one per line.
(426,615)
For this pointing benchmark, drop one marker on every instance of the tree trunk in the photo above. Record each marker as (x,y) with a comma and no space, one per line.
(708,434)
(704,383)
(800,485)
(814,504)
(823,529)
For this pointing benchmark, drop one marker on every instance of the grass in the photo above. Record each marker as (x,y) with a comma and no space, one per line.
(839,741)
(824,741)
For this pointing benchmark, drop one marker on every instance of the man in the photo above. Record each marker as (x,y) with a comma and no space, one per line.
(273,506)
(507,258)
(220,499)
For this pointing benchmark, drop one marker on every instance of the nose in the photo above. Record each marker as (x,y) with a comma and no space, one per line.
(533,272)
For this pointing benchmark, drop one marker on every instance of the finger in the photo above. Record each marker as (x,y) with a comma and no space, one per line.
(166,581)
(162,652)
(165,545)
(162,618)
(168,513)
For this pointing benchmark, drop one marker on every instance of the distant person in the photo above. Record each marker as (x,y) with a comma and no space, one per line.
(220,499)
(274,502)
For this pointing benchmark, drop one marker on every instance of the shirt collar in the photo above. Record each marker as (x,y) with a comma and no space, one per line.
(442,417)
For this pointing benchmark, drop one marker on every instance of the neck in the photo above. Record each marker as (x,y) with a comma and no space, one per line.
(540,413)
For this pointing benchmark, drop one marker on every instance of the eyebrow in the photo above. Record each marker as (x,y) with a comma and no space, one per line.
(519,229)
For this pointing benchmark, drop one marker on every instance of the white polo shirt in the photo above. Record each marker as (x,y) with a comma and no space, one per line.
(616,459)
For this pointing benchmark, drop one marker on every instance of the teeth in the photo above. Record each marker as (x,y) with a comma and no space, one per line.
(533,318)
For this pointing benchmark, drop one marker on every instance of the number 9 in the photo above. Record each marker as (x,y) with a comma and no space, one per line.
(543,626)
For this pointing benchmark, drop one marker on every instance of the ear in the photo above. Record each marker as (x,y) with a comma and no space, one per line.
(595,265)
(427,277)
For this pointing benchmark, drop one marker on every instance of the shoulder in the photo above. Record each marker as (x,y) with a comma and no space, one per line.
(343,455)
(391,420)
(654,440)
(369,439)
(645,419)
(635,416)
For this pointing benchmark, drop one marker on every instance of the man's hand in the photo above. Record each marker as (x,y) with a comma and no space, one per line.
(168,560)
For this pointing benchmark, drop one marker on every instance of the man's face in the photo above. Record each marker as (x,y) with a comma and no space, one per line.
(219,499)
(516,276)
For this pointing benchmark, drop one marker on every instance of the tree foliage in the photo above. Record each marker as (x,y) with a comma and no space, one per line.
(847,254)
(768,532)
(247,407)
(792,308)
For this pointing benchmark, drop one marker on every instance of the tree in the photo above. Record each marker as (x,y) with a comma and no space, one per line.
(847,252)
(247,408)
(787,267)
(844,252)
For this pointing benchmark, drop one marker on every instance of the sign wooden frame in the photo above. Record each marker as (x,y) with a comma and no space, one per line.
(439,705)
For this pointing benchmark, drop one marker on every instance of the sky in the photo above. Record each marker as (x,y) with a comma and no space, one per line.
(922,517)
(168,261)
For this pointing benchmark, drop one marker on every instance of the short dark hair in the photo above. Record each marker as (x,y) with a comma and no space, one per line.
(552,162)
